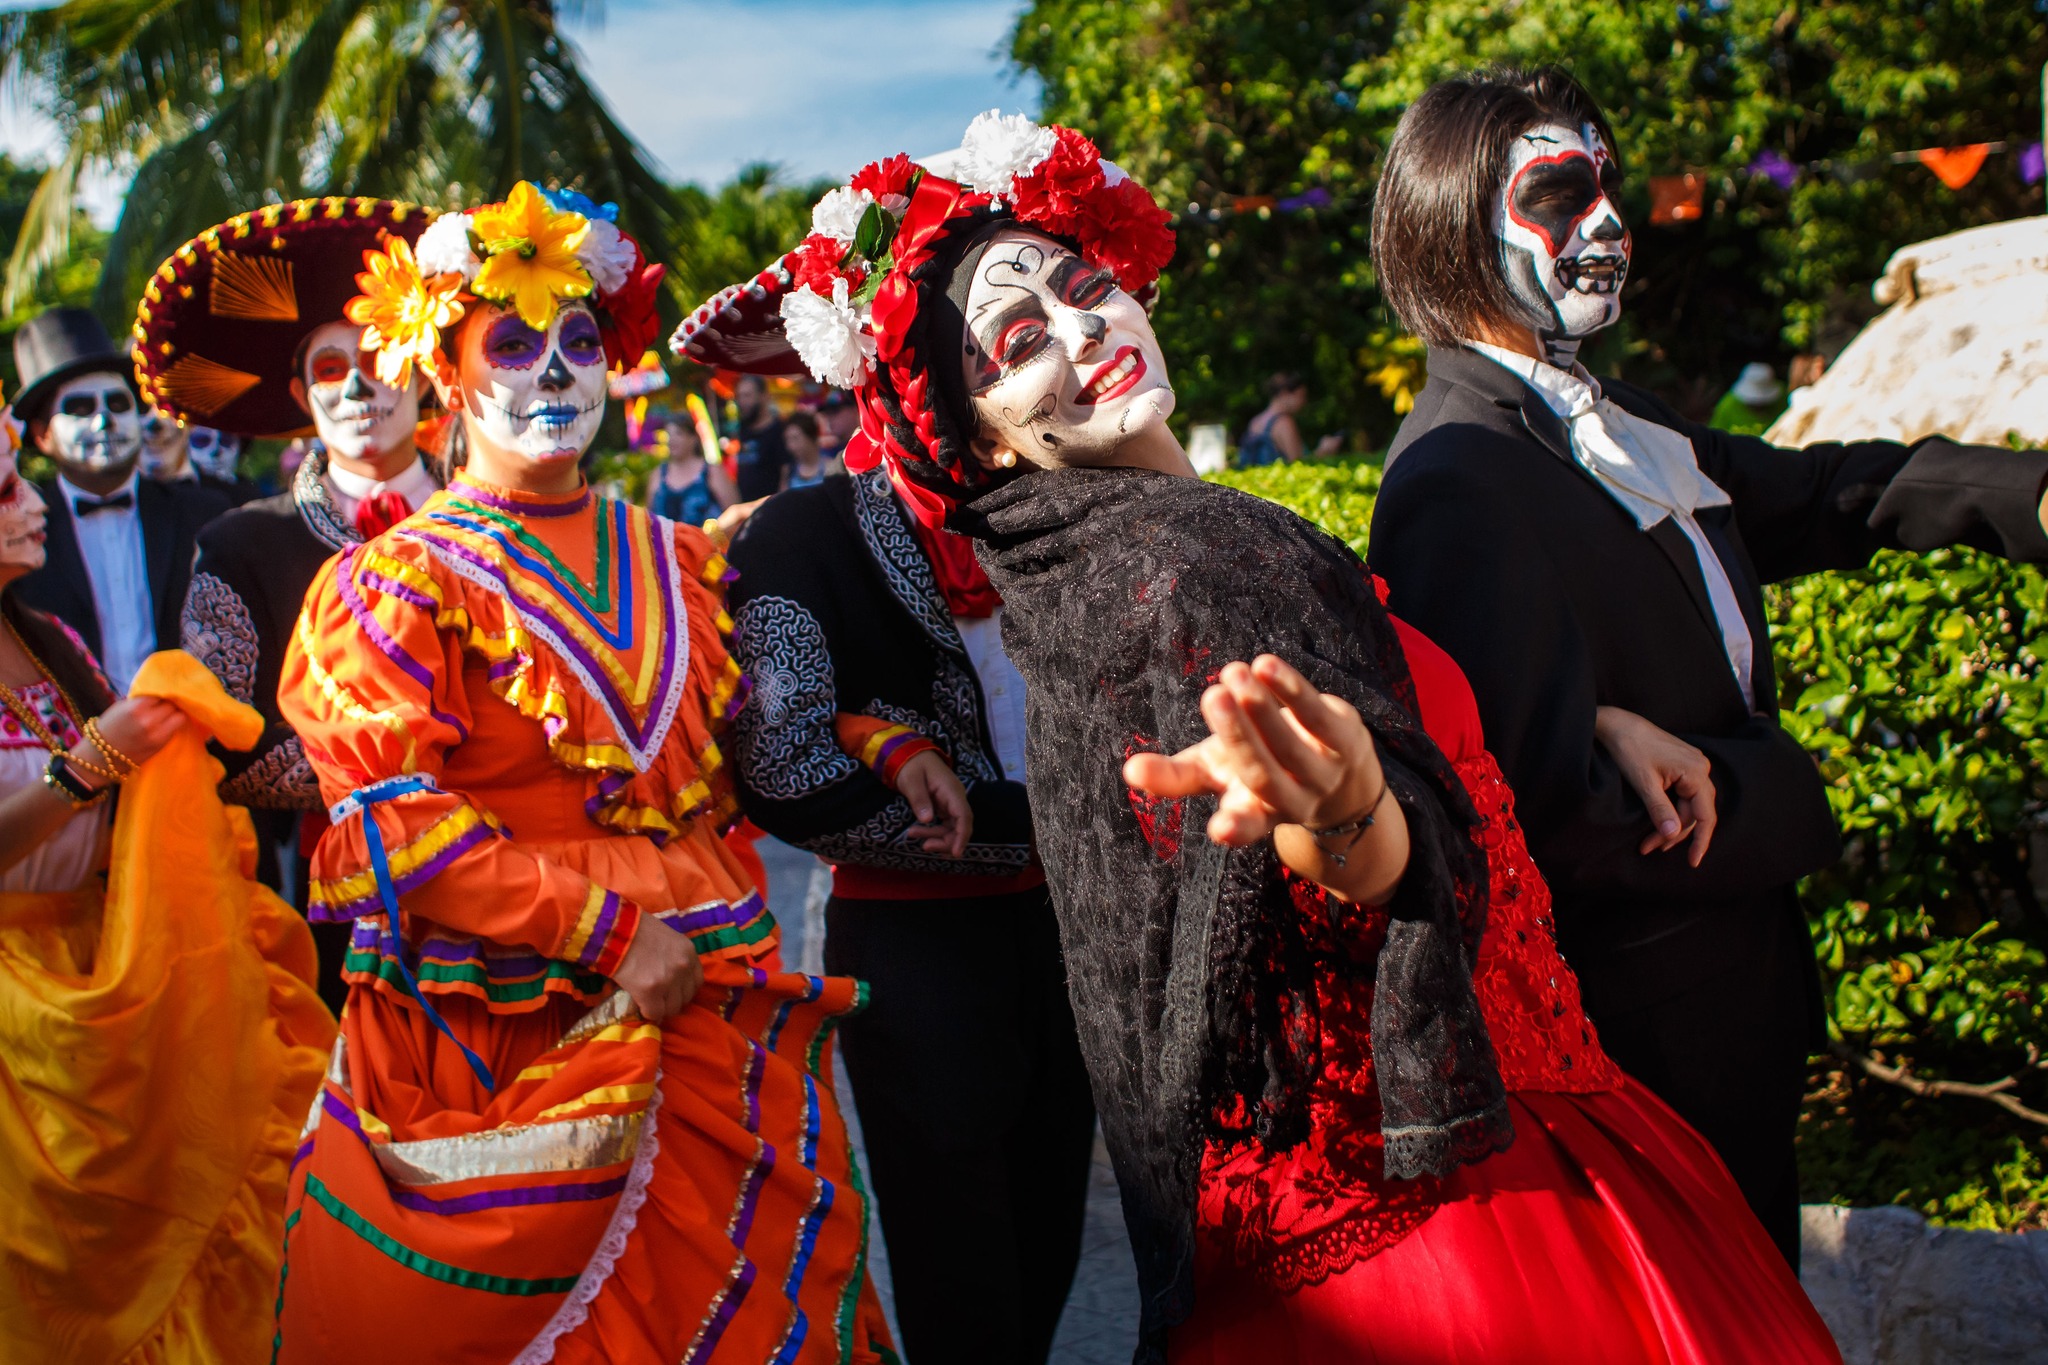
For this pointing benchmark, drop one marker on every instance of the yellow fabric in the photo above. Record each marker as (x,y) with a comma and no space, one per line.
(159,1048)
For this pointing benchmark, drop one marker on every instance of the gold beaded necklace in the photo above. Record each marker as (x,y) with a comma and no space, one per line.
(24,711)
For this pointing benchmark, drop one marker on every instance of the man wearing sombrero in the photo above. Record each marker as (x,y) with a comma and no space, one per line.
(120,547)
(242,330)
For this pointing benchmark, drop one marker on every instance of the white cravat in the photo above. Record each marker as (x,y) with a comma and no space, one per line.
(1651,471)
(110,543)
(1002,687)
(413,483)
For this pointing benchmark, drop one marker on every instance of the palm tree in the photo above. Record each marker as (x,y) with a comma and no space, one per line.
(738,229)
(221,105)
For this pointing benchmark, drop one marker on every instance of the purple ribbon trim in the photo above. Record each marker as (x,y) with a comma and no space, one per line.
(463,488)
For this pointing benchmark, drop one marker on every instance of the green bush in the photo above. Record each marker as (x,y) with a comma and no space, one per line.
(1917,684)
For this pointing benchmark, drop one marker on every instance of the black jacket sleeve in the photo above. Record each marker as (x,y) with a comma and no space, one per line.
(1474,574)
(805,608)
(1835,504)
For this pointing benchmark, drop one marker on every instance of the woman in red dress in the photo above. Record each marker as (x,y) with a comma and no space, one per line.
(1355,1108)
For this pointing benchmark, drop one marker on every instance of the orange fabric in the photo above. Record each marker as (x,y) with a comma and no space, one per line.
(881,746)
(1956,166)
(160,1044)
(626,1192)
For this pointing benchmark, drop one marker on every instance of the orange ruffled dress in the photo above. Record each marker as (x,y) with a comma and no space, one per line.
(511,702)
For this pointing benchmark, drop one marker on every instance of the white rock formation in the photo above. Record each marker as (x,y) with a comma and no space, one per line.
(1896,1290)
(1962,351)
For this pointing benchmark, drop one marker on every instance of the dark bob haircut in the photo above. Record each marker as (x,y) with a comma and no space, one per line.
(1433,241)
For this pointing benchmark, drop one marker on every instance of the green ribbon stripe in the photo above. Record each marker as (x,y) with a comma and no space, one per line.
(599,596)
(427,1265)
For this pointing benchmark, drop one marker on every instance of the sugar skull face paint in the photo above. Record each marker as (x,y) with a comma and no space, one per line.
(215,453)
(539,395)
(95,425)
(163,446)
(21,520)
(1062,366)
(1563,241)
(357,417)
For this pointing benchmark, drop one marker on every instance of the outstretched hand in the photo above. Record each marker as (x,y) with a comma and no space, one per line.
(1279,753)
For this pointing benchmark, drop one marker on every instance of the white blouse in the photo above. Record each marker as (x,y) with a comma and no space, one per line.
(67,858)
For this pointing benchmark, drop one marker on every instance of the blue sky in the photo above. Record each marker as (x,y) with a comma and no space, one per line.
(820,86)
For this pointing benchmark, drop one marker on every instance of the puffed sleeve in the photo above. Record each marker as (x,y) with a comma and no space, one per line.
(372,685)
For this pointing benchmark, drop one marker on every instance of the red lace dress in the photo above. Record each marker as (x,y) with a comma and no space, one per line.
(1608,1232)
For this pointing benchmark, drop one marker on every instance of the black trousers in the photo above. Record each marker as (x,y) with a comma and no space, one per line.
(1729,1054)
(975,1108)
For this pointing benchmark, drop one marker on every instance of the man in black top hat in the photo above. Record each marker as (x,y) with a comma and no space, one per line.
(120,547)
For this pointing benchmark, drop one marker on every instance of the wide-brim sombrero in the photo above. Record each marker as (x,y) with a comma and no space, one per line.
(221,320)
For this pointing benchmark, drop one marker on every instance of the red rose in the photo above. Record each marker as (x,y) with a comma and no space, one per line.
(883,178)
(815,263)
(1124,231)
(1054,196)
(627,320)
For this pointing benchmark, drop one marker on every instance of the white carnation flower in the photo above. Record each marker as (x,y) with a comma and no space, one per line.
(826,335)
(1112,174)
(444,248)
(606,254)
(997,150)
(838,214)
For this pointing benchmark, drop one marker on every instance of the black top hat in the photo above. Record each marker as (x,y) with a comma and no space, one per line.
(59,345)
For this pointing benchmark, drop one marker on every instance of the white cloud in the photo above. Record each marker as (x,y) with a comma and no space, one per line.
(820,87)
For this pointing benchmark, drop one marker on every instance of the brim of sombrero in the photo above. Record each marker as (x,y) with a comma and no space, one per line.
(221,320)
(740,328)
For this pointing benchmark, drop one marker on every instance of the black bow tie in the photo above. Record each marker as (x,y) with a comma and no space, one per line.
(87,506)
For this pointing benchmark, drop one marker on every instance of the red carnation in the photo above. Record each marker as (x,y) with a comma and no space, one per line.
(1055,196)
(627,321)
(816,263)
(884,178)
(1126,232)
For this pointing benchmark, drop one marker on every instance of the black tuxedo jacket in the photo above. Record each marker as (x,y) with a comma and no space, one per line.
(171,517)
(1495,543)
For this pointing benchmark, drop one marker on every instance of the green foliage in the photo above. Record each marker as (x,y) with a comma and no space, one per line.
(1273,97)
(71,282)
(734,232)
(1918,685)
(224,107)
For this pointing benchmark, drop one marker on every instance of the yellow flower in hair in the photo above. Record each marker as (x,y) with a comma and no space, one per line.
(401,313)
(529,253)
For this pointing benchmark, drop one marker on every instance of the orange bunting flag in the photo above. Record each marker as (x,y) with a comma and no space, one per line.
(1677,198)
(1956,166)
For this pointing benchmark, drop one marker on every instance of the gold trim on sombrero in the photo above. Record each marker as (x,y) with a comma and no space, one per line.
(205,386)
(259,288)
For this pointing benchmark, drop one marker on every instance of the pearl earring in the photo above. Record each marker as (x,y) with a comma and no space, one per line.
(1007,459)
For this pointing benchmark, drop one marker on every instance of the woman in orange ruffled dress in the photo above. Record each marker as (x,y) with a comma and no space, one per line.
(572,1115)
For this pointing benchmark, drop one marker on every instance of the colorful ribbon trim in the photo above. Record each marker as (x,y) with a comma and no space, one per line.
(360,801)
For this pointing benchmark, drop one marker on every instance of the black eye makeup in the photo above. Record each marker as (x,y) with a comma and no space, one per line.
(1551,194)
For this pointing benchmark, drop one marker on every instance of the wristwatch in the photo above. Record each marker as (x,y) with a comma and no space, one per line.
(58,777)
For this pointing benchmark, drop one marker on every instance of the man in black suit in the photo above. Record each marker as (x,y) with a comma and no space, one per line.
(120,547)
(1594,562)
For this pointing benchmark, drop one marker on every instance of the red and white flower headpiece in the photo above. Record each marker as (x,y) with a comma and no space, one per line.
(843,306)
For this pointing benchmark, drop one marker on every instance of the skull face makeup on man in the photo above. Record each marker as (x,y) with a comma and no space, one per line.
(94,429)
(358,418)
(536,395)
(163,446)
(1062,366)
(21,521)
(215,453)
(1563,241)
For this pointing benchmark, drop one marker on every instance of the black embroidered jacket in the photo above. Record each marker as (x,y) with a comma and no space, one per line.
(836,609)
(255,564)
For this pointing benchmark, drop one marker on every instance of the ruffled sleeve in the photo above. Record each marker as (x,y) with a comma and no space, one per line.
(372,686)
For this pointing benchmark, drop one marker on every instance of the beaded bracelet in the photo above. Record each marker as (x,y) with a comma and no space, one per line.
(1354,828)
(125,764)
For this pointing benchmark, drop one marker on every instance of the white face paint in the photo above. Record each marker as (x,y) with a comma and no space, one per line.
(95,425)
(538,396)
(216,453)
(163,446)
(1563,240)
(21,520)
(357,417)
(1062,366)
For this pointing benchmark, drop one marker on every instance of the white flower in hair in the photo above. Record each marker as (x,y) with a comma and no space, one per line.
(997,150)
(606,254)
(444,248)
(826,335)
(838,214)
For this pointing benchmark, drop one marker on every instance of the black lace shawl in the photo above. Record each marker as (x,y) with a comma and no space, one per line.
(1125,592)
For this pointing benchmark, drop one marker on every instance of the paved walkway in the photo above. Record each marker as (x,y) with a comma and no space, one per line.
(1100,1324)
